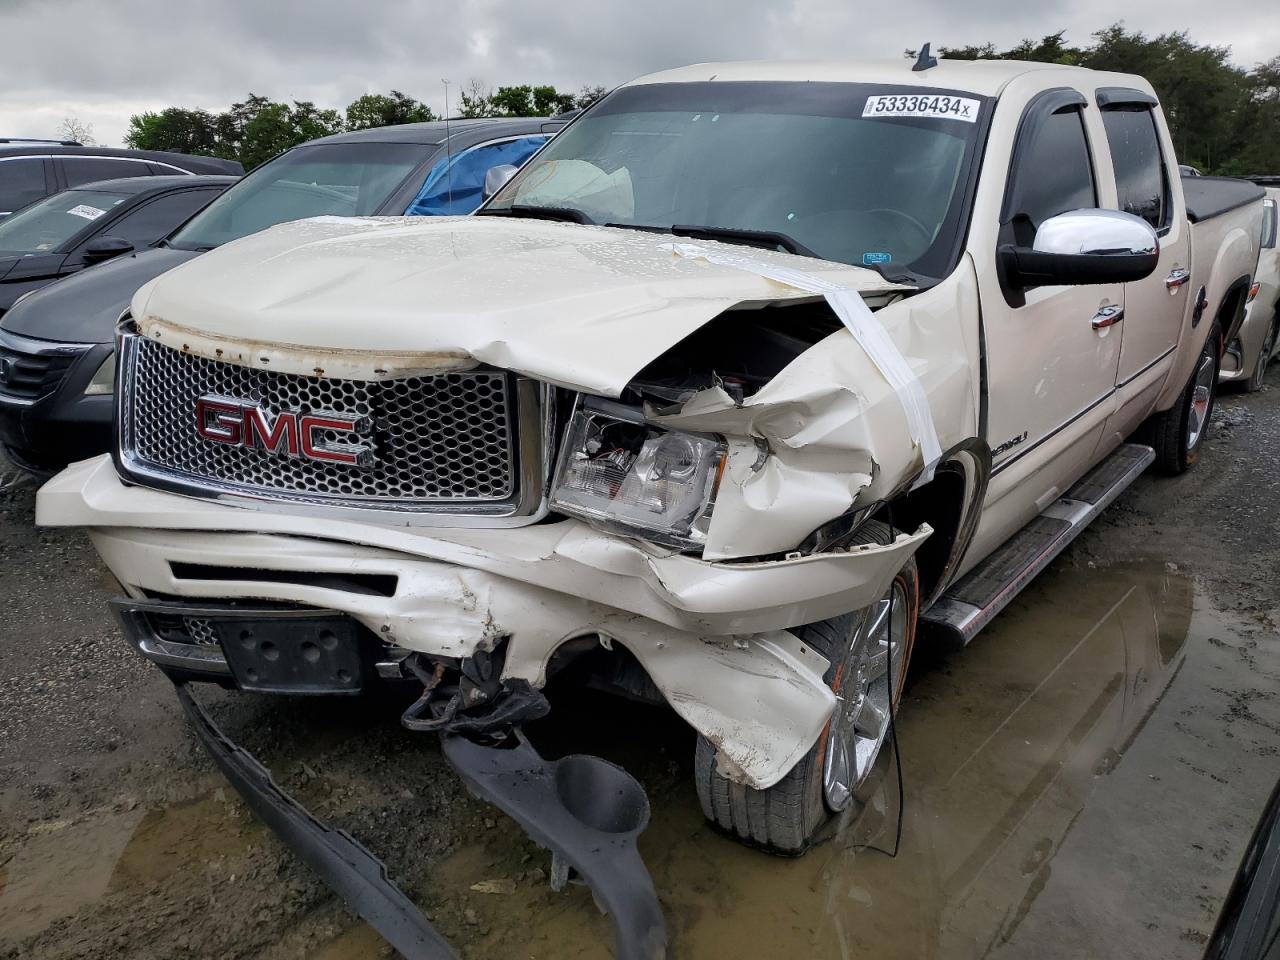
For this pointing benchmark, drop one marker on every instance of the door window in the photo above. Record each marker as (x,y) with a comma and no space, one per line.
(455,184)
(78,170)
(1268,224)
(146,224)
(1052,173)
(21,182)
(1140,171)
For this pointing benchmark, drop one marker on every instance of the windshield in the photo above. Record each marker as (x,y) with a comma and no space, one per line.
(856,173)
(46,226)
(334,179)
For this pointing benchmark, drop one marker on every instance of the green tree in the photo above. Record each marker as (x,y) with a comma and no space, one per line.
(262,128)
(1260,123)
(525,100)
(379,110)
(184,131)
(476,102)
(589,95)
(1221,118)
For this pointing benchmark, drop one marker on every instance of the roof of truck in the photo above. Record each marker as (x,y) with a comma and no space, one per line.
(985,77)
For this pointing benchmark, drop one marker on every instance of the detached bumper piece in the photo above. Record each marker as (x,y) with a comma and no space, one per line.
(351,871)
(588,812)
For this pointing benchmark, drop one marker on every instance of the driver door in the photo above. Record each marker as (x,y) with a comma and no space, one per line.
(1051,355)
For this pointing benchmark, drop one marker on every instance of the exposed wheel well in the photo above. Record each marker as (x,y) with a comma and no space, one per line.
(1230,313)
(950,503)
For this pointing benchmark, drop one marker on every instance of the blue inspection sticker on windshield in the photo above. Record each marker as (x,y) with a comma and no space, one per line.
(871,259)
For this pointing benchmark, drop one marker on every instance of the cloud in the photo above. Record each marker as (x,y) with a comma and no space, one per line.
(103,62)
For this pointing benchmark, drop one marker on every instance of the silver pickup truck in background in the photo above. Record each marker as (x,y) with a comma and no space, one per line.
(1250,351)
(750,375)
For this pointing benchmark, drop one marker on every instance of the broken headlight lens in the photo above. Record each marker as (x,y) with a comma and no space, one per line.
(633,478)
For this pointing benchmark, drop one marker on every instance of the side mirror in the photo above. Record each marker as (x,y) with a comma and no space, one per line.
(496,178)
(106,247)
(1082,247)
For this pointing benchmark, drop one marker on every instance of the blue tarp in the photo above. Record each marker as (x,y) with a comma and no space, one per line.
(455,184)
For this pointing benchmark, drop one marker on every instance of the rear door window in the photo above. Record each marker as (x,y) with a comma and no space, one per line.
(1140,171)
(1268,224)
(78,170)
(22,181)
(1052,173)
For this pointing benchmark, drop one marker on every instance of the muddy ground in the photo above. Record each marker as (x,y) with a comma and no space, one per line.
(1080,781)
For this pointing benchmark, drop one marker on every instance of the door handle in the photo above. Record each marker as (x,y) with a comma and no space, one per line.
(1108,316)
(1177,277)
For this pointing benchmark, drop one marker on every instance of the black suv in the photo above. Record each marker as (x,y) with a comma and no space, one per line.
(32,169)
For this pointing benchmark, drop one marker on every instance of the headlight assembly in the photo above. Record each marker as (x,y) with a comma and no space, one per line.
(104,381)
(625,475)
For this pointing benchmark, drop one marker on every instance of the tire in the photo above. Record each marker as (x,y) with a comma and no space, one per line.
(1171,432)
(1259,375)
(793,814)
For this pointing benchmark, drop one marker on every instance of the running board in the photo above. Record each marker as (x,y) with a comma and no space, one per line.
(969,604)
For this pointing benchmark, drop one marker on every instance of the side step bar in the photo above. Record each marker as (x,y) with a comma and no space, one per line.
(969,604)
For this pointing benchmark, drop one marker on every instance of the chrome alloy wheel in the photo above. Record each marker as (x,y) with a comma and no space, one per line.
(861,718)
(1201,395)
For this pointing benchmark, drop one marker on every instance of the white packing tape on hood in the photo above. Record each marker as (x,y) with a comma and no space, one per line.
(866,329)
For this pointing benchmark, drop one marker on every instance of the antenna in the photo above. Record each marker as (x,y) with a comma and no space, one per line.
(448,149)
(925,60)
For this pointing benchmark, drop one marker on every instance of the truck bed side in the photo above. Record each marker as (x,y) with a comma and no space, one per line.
(1226,226)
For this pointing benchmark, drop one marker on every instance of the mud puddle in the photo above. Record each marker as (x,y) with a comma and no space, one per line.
(1080,781)
(1075,785)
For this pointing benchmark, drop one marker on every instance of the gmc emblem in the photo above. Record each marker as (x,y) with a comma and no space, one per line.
(288,433)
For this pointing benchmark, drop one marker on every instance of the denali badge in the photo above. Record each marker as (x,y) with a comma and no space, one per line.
(288,433)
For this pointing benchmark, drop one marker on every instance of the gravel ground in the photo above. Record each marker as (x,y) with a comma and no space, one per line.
(118,837)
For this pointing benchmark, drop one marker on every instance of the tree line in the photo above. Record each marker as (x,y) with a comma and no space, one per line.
(1223,119)
(257,128)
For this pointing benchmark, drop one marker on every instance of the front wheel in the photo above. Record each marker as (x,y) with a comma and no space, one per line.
(1178,433)
(868,651)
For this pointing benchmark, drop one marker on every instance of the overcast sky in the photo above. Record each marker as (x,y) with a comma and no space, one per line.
(103,61)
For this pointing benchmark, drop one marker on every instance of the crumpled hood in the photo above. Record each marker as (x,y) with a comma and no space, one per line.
(373,298)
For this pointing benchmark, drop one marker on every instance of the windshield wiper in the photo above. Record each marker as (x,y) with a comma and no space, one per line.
(765,239)
(534,212)
(768,239)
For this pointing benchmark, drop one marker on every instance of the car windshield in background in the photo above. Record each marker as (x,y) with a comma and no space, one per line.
(855,173)
(46,226)
(333,179)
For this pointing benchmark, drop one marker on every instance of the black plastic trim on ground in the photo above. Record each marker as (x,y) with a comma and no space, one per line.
(351,871)
(589,813)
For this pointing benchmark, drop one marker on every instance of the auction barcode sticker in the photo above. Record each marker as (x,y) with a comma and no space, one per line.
(86,211)
(922,105)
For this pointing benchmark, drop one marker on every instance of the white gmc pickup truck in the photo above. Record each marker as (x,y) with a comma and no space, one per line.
(752,374)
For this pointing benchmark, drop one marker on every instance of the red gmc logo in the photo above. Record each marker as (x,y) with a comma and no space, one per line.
(289,434)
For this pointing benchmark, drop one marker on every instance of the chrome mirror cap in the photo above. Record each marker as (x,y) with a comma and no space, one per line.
(1096,233)
(496,178)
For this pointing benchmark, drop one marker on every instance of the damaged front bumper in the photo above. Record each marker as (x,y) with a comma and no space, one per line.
(713,636)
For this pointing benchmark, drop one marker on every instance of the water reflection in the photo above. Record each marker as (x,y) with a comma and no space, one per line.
(1003,746)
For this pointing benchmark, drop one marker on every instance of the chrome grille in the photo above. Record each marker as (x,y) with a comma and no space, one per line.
(439,440)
